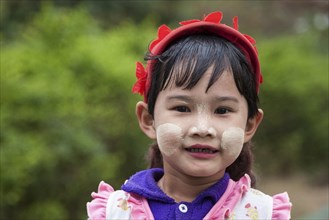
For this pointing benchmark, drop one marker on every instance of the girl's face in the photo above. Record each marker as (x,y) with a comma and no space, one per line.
(200,133)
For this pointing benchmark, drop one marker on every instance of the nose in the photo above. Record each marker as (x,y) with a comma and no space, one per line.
(202,127)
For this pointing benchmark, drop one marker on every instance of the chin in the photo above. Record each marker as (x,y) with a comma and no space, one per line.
(206,172)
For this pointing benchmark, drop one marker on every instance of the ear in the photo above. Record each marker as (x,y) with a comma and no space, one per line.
(145,120)
(252,125)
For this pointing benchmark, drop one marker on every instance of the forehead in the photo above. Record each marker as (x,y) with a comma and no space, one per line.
(223,86)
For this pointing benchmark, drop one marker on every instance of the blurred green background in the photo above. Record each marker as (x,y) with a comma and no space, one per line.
(67,111)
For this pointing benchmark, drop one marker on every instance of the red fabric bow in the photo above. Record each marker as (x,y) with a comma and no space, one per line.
(141,76)
(164,30)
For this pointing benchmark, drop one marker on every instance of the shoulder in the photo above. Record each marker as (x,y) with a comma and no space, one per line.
(108,203)
(240,201)
(97,208)
(254,204)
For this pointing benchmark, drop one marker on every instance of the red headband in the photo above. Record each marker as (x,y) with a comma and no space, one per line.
(210,24)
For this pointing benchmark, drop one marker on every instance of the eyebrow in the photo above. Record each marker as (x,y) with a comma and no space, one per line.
(180,97)
(227,98)
(217,98)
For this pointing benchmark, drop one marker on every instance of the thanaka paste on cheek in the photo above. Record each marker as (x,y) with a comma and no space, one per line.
(169,137)
(232,140)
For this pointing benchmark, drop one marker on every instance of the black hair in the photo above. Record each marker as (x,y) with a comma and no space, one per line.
(186,60)
(183,64)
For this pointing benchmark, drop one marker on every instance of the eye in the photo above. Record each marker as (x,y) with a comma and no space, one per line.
(222,111)
(182,109)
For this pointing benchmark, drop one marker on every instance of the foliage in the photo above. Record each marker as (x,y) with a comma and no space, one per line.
(67,114)
(68,121)
(287,16)
(294,134)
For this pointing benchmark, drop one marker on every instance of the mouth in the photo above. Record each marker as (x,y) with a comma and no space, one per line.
(205,149)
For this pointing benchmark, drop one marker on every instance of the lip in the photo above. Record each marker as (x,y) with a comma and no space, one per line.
(201,151)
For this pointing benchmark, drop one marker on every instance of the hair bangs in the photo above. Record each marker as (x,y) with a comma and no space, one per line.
(189,59)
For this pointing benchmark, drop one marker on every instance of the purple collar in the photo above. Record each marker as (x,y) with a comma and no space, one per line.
(144,183)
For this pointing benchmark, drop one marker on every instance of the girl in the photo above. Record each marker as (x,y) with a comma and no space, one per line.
(200,105)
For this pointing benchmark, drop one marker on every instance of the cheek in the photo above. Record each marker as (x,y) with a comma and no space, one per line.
(169,137)
(232,141)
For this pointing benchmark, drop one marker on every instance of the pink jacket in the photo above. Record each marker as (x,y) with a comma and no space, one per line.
(238,202)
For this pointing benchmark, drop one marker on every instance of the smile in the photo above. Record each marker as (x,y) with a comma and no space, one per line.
(201,150)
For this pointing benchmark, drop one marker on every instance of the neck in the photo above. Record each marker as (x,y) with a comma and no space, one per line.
(185,188)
